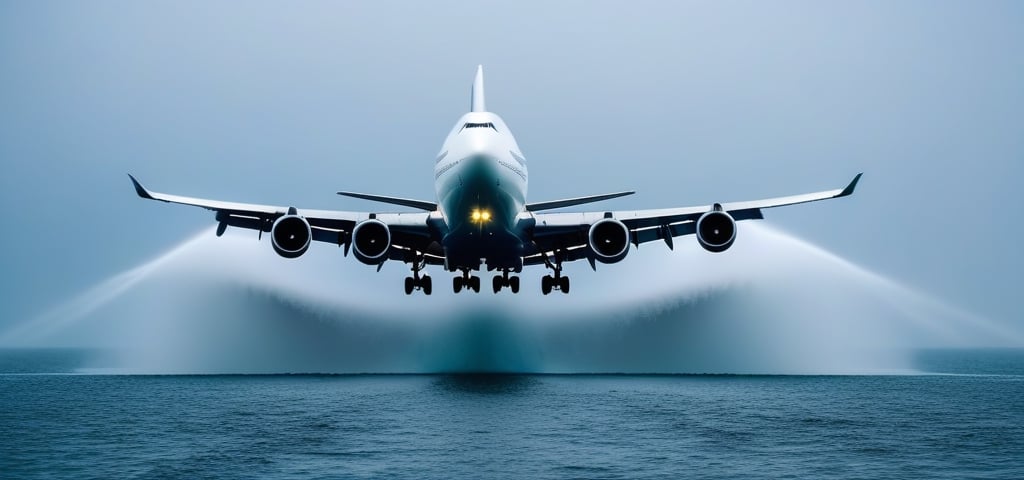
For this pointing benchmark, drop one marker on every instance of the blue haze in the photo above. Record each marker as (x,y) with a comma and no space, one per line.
(687,103)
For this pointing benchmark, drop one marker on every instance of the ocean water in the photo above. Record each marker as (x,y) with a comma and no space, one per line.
(961,417)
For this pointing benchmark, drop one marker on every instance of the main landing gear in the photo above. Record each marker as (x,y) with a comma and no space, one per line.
(556,281)
(467,281)
(417,282)
(504,280)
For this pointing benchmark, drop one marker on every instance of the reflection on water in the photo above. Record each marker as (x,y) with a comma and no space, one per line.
(486,383)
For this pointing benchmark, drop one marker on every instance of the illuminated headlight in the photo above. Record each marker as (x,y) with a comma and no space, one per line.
(480,215)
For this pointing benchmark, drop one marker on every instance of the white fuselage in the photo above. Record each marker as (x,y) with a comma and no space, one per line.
(481,181)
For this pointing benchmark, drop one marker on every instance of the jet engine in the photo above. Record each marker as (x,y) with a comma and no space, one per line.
(371,240)
(608,240)
(290,236)
(716,230)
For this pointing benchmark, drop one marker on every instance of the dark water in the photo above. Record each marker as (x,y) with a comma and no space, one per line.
(967,423)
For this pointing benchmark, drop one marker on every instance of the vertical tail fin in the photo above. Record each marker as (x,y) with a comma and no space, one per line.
(477,102)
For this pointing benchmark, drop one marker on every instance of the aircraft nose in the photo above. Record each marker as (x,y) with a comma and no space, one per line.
(478,143)
(479,167)
(479,160)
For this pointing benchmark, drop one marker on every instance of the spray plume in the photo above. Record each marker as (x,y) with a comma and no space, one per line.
(771,304)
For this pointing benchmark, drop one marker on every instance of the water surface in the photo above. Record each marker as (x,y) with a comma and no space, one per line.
(965,423)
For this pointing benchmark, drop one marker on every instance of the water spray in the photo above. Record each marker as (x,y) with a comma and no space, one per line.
(771,304)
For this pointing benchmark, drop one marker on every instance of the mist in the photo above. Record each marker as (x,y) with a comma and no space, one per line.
(771,304)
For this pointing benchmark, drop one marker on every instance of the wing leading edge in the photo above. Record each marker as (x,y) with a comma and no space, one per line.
(566,233)
(411,232)
(417,235)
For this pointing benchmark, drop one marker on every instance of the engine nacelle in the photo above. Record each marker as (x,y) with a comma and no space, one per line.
(608,240)
(291,236)
(716,230)
(371,240)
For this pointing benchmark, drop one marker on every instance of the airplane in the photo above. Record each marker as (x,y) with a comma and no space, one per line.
(481,218)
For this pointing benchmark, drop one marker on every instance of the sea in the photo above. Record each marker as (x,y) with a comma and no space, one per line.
(960,415)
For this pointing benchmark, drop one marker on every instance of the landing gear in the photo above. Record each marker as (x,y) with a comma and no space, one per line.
(417,282)
(556,281)
(504,280)
(467,281)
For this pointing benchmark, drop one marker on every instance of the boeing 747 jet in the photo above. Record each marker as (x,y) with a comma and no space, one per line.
(481,219)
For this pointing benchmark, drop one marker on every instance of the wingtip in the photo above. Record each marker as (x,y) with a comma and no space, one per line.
(852,186)
(139,189)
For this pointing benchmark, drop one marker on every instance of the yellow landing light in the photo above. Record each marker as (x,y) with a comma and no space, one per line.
(480,215)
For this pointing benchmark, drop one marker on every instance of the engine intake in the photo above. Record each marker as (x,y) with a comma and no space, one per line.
(371,240)
(608,240)
(716,230)
(291,236)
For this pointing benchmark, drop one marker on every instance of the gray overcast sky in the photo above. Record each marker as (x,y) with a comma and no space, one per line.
(688,103)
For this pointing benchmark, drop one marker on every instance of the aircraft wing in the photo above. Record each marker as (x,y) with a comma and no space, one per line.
(565,234)
(410,232)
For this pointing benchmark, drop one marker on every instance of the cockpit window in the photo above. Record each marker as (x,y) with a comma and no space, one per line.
(480,125)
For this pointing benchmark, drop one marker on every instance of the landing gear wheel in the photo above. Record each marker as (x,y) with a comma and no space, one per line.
(457,284)
(474,283)
(545,284)
(419,279)
(410,284)
(563,284)
(498,281)
(427,285)
(513,284)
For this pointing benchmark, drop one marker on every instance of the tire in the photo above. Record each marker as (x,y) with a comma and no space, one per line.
(427,284)
(513,283)
(545,284)
(409,285)
(474,283)
(563,284)
(457,284)
(497,283)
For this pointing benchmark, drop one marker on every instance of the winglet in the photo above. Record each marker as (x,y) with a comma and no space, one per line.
(139,189)
(477,101)
(850,188)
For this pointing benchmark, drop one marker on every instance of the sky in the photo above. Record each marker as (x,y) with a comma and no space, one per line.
(686,102)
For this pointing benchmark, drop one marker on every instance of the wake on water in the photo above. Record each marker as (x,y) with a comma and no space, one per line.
(771,304)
